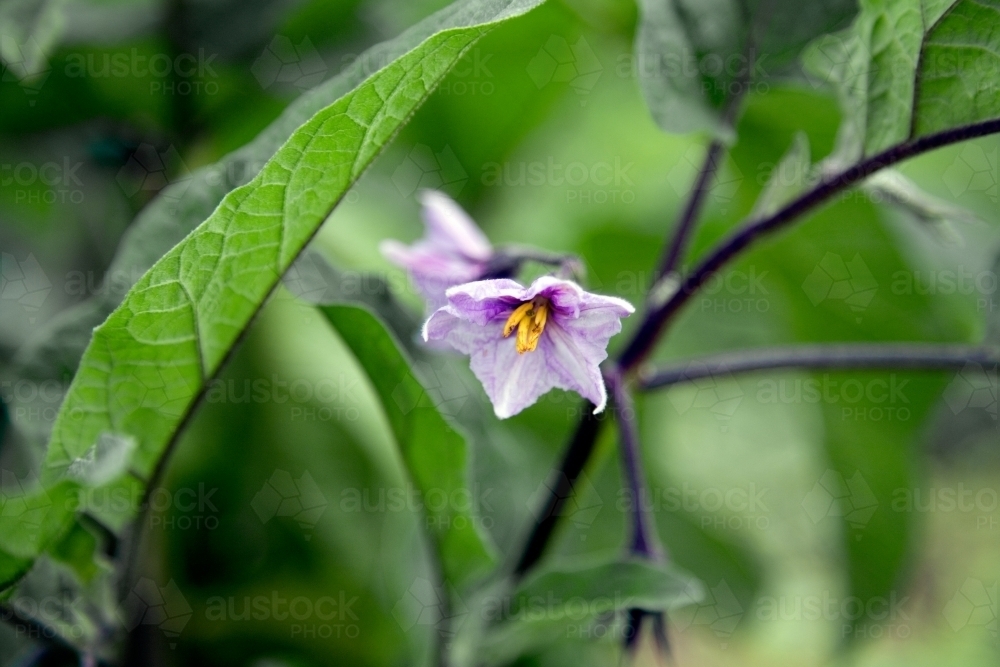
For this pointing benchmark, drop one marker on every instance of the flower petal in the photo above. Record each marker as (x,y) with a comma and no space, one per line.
(564,295)
(574,362)
(431,272)
(571,348)
(484,301)
(512,381)
(449,226)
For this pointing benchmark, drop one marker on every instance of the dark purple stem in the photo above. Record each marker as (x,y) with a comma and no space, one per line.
(644,542)
(649,330)
(648,333)
(820,356)
(577,455)
(689,216)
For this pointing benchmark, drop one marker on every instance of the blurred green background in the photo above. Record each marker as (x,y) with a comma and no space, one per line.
(854,526)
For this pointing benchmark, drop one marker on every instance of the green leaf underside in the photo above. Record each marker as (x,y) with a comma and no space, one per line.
(434,453)
(691,55)
(147,364)
(790,177)
(544,608)
(641,584)
(909,68)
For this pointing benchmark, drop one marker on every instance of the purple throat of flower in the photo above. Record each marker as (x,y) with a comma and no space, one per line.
(529,319)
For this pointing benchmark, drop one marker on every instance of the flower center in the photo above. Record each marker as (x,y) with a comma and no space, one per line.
(529,319)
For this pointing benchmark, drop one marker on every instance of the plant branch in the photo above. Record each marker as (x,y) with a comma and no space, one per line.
(644,542)
(649,330)
(674,252)
(821,356)
(561,488)
(651,327)
(692,208)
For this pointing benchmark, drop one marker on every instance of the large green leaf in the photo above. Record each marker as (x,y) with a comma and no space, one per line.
(180,207)
(693,56)
(147,364)
(909,68)
(434,453)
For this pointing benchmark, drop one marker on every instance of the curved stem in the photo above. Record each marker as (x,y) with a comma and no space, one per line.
(642,342)
(820,356)
(655,321)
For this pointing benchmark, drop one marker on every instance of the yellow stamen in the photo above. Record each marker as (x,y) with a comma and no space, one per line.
(516,317)
(529,319)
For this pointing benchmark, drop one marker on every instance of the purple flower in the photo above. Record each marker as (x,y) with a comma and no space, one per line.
(561,338)
(453,250)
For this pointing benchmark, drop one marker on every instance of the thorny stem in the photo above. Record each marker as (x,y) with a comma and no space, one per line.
(820,356)
(649,330)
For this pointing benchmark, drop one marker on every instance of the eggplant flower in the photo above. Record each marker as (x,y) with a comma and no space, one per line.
(453,250)
(524,341)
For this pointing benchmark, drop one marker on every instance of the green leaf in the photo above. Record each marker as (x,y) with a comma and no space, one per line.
(789,178)
(559,603)
(147,364)
(31,515)
(434,453)
(180,207)
(936,215)
(692,56)
(12,569)
(907,69)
